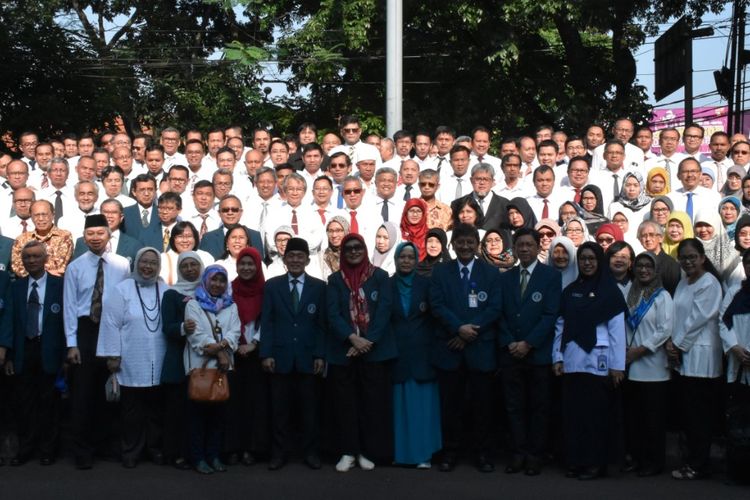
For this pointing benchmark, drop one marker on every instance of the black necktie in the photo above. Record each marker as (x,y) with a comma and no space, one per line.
(32,313)
(96,297)
(384,211)
(295,296)
(407,192)
(58,206)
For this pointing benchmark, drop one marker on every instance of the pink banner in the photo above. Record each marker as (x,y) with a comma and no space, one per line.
(712,119)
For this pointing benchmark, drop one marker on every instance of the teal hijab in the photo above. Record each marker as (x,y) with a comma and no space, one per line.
(404,282)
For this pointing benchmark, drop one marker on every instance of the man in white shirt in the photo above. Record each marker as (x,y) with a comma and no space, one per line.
(455,182)
(644,139)
(86,195)
(422,146)
(204,217)
(669,158)
(388,156)
(384,206)
(214,142)
(154,157)
(404,141)
(170,139)
(258,208)
(623,132)
(123,158)
(351,131)
(408,175)
(43,154)
(693,198)
(610,178)
(141,143)
(59,192)
(322,207)
(312,158)
(527,151)
(741,154)
(366,162)
(546,201)
(444,138)
(480,147)
(339,167)
(199,171)
(577,178)
(512,186)
(292,213)
(718,159)
(27,143)
(244,176)
(359,222)
(595,137)
(692,139)
(23,198)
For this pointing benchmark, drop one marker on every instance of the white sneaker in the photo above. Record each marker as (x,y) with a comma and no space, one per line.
(346,462)
(364,463)
(424,465)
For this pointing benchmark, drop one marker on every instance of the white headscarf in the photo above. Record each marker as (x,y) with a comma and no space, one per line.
(182,285)
(570,273)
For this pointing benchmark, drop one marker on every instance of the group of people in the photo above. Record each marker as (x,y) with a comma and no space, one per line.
(371,289)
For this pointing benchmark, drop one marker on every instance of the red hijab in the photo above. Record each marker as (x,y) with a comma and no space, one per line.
(415,233)
(248,294)
(354,277)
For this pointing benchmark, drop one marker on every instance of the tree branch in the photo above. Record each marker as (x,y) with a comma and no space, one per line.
(124,30)
(88,27)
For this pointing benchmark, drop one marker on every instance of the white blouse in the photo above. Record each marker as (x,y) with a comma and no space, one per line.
(229,321)
(696,326)
(653,331)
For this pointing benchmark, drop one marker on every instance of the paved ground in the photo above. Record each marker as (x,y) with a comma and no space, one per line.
(109,481)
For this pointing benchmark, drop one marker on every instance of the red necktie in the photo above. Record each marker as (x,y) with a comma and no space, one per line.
(45,181)
(353,226)
(204,227)
(295,226)
(322,212)
(577,197)
(545,210)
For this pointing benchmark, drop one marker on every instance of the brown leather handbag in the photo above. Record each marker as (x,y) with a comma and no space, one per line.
(208,385)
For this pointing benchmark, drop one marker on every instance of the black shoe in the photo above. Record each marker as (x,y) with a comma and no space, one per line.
(533,467)
(46,460)
(276,463)
(129,463)
(572,472)
(247,459)
(447,463)
(181,464)
(515,465)
(484,464)
(18,461)
(218,466)
(313,461)
(84,463)
(590,473)
(157,457)
(232,459)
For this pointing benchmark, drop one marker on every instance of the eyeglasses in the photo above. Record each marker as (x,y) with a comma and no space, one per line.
(354,248)
(660,210)
(353,130)
(427,184)
(574,230)
(601,240)
(352,191)
(337,165)
(688,258)
(546,234)
(226,210)
(692,136)
(177,179)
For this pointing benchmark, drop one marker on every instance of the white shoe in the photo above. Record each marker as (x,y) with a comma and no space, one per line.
(424,465)
(346,462)
(364,463)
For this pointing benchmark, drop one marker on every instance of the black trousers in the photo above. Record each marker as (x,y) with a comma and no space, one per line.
(248,422)
(586,415)
(646,422)
(206,422)
(175,438)
(38,405)
(700,400)
(92,419)
(527,403)
(292,391)
(363,397)
(141,409)
(455,388)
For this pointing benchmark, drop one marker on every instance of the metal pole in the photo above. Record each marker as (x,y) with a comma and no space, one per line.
(689,78)
(732,70)
(740,41)
(394,66)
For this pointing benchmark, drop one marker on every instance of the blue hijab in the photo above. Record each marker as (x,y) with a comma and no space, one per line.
(205,299)
(404,281)
(730,228)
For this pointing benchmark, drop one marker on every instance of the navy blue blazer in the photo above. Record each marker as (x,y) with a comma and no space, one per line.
(127,247)
(293,340)
(6,249)
(213,242)
(53,332)
(172,316)
(414,332)
(379,293)
(451,308)
(132,225)
(531,318)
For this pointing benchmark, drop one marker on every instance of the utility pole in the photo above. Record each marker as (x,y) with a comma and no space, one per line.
(739,63)
(394,66)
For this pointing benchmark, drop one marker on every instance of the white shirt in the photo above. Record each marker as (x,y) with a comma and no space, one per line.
(448,183)
(12,227)
(720,169)
(41,289)
(126,332)
(673,162)
(395,207)
(227,318)
(74,221)
(652,333)
(308,225)
(80,277)
(67,196)
(175,159)
(517,191)
(415,192)
(703,199)
(489,159)
(610,343)
(633,158)
(553,204)
(605,180)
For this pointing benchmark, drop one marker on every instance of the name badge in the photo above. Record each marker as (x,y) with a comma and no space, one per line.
(601,363)
(473,300)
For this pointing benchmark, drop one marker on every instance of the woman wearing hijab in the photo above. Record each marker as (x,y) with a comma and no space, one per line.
(563,258)
(607,234)
(212,342)
(734,329)
(520,214)
(359,349)
(577,230)
(679,227)
(416,402)
(386,239)
(336,228)
(695,349)
(589,352)
(592,205)
(414,223)
(280,238)
(735,273)
(628,224)
(733,185)
(436,248)
(633,197)
(567,211)
(175,328)
(496,249)
(745,194)
(719,248)
(648,321)
(729,210)
(661,207)
(657,182)
(131,340)
(183,238)
(548,230)
(247,411)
